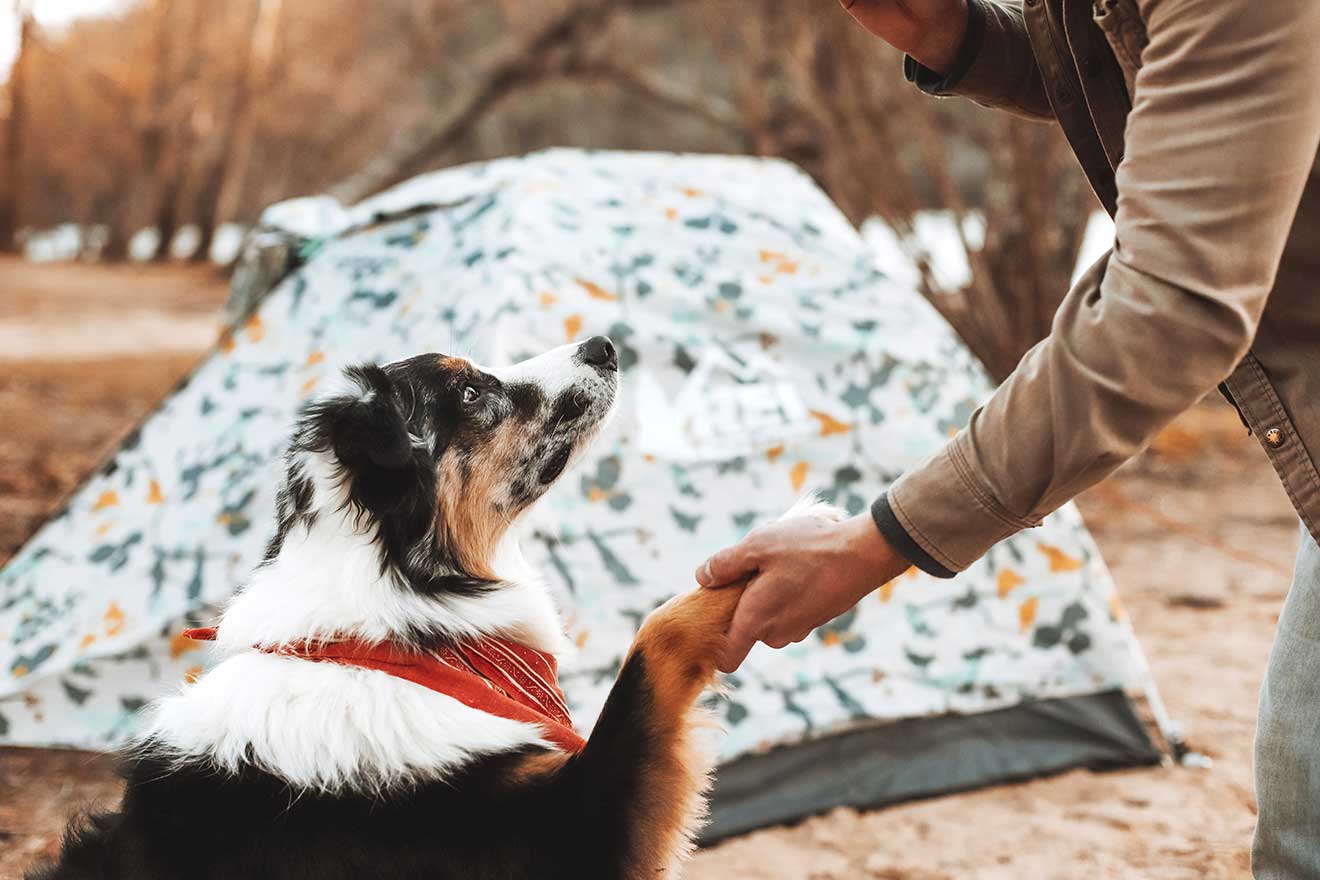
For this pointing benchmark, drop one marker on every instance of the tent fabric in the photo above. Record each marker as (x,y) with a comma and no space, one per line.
(875,766)
(764,354)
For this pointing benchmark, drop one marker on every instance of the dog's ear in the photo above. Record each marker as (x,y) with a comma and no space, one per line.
(367,429)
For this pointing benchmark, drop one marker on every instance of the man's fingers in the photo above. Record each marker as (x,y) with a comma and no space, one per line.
(737,645)
(738,641)
(730,565)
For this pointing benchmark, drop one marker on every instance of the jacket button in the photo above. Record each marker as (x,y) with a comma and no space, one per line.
(1274,438)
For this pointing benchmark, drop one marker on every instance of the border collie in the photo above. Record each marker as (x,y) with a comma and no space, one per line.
(384,702)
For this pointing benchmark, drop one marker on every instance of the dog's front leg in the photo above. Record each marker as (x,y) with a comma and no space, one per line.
(645,749)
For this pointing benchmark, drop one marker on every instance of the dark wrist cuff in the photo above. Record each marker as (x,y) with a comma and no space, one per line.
(933,83)
(902,542)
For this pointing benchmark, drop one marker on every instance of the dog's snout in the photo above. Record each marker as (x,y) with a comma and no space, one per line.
(599,352)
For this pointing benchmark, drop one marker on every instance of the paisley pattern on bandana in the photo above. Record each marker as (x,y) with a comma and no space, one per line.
(763,354)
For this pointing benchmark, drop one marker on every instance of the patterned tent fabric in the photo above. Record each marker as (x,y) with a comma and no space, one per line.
(764,354)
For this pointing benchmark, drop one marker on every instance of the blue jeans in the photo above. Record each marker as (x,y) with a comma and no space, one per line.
(1287,842)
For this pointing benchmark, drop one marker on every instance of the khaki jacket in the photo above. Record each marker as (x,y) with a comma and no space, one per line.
(1197,123)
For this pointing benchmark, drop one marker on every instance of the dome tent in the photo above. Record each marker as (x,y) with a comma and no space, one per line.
(763,354)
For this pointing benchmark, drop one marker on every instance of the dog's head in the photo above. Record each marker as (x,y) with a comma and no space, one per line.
(438,456)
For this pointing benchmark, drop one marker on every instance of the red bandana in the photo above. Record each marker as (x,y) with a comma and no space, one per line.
(491,675)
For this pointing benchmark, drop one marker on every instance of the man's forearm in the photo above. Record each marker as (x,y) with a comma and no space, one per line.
(1220,143)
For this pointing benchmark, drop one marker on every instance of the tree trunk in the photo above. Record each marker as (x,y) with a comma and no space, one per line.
(115,249)
(179,129)
(11,173)
(167,211)
(155,128)
(207,207)
(208,198)
(265,30)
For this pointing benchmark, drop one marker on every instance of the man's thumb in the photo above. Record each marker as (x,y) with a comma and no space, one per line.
(730,565)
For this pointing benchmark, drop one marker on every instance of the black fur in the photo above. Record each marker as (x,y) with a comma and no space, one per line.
(483,823)
(390,481)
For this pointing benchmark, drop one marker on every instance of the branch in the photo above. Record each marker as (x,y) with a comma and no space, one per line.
(520,64)
(712,108)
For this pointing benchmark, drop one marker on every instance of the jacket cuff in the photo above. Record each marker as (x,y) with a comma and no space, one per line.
(947,512)
(995,65)
(933,83)
(902,542)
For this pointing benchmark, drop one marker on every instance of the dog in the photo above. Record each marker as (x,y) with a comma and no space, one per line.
(349,731)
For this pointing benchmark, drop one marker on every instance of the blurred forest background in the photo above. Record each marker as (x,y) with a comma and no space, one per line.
(155,131)
(157,125)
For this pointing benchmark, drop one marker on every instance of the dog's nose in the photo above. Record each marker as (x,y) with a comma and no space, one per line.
(599,352)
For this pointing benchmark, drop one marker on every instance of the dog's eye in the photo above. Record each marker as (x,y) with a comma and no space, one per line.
(470,394)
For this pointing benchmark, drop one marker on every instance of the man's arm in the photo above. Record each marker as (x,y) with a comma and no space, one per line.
(1222,137)
(977,49)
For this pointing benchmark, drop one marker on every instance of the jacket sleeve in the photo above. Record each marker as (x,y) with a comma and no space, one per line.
(994,67)
(1221,140)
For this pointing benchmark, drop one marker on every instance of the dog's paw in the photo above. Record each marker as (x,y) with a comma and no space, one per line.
(681,639)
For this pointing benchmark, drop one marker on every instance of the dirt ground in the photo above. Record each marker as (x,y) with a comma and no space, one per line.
(1198,533)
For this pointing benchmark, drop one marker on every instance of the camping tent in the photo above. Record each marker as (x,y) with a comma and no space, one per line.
(763,352)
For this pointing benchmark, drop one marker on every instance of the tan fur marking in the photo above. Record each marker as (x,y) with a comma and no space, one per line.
(679,643)
(537,767)
(469,522)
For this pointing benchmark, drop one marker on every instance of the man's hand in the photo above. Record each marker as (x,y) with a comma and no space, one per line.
(931,31)
(804,571)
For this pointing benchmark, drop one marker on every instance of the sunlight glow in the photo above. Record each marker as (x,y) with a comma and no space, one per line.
(49,14)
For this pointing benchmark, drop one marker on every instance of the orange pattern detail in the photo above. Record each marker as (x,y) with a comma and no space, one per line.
(1007,581)
(595,291)
(114,620)
(829,424)
(1116,607)
(1059,561)
(798,475)
(1027,613)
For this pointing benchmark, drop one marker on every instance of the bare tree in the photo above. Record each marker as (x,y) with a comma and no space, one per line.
(255,52)
(265,34)
(232,106)
(529,56)
(178,56)
(11,172)
(819,90)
